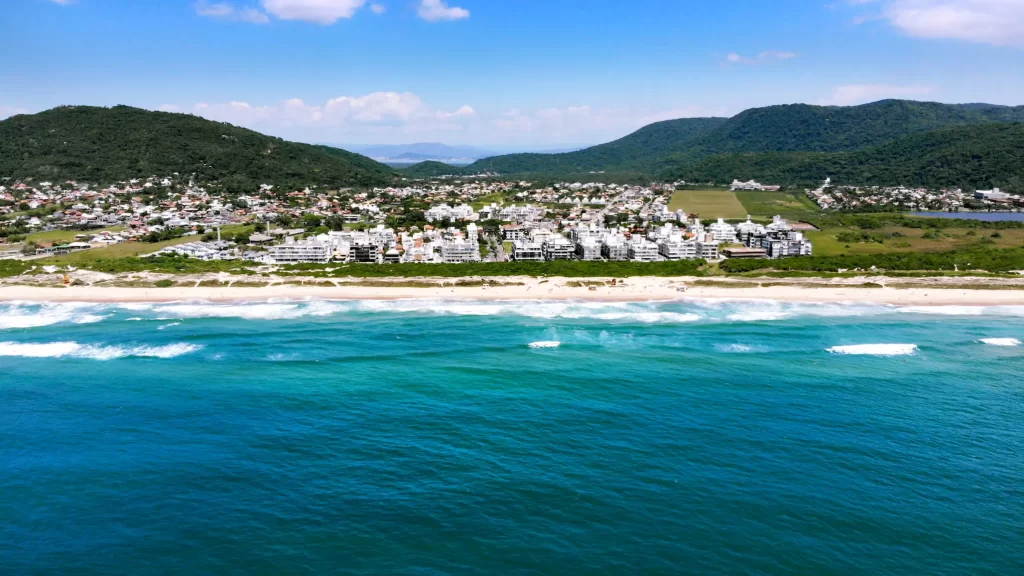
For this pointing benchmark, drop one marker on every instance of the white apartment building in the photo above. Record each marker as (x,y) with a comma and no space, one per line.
(309,251)
(459,251)
(614,247)
(446,212)
(558,248)
(526,213)
(640,250)
(676,248)
(589,249)
(524,251)
(722,231)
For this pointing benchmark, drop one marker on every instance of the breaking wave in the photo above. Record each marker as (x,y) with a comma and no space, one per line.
(734,348)
(94,352)
(28,315)
(1006,342)
(251,311)
(33,315)
(875,349)
(545,344)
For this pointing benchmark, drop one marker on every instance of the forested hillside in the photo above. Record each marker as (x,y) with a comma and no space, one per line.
(978,156)
(692,146)
(631,152)
(111,144)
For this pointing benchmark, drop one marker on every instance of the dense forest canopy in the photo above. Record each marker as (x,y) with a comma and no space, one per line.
(106,145)
(970,157)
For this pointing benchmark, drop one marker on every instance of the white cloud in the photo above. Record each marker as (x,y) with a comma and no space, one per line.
(853,94)
(8,111)
(394,118)
(998,22)
(316,11)
(346,114)
(438,10)
(766,56)
(226,11)
(378,8)
(63,2)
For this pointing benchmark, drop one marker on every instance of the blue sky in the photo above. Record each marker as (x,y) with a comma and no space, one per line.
(509,73)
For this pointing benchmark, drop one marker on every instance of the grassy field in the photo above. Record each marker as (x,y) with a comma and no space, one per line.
(129,249)
(123,250)
(898,239)
(708,204)
(487,200)
(793,206)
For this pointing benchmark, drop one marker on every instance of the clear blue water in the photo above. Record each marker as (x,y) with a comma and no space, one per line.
(430,438)
(983,216)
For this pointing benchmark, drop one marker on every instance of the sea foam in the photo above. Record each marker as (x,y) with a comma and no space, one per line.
(1007,342)
(27,315)
(875,349)
(93,352)
(545,344)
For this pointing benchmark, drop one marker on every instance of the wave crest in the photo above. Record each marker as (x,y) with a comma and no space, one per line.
(1005,342)
(93,352)
(875,349)
(545,344)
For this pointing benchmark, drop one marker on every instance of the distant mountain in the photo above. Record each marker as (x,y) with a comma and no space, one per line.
(432,169)
(972,156)
(399,153)
(632,151)
(113,144)
(671,146)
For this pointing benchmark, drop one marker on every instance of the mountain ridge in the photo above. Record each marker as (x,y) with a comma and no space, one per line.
(104,145)
(781,128)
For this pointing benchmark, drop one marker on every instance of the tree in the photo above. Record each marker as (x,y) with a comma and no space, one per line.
(311,221)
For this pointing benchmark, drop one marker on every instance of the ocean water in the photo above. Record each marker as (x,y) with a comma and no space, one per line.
(436,437)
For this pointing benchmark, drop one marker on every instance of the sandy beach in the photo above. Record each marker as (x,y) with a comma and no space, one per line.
(916,292)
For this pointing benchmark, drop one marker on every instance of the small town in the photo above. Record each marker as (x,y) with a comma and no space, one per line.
(426,223)
(899,198)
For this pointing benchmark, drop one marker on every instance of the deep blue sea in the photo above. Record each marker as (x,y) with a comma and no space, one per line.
(429,437)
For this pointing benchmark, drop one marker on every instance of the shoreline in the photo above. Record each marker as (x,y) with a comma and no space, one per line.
(630,290)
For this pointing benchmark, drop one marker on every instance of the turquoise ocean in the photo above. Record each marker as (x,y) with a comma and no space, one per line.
(444,437)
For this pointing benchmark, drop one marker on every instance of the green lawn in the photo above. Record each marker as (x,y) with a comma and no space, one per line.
(708,204)
(794,206)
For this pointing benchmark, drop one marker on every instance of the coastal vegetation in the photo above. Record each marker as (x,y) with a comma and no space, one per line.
(983,259)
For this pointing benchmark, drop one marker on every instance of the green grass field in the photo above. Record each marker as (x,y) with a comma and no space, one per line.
(708,204)
(899,239)
(793,206)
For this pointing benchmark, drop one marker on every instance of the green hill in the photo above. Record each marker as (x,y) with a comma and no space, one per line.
(667,146)
(977,156)
(105,145)
(628,153)
(431,169)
